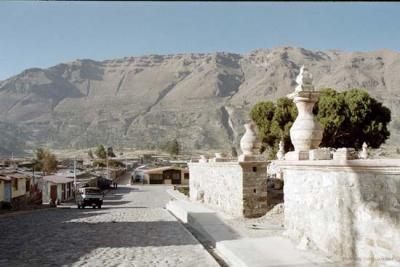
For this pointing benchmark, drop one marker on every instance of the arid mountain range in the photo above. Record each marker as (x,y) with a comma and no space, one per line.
(203,100)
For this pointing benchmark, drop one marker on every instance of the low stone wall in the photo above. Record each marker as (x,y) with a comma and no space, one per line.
(349,209)
(236,188)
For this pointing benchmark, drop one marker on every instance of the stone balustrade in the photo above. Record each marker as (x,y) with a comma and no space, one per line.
(346,208)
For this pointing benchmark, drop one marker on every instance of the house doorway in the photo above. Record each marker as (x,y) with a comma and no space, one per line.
(7,192)
(53,193)
(173,175)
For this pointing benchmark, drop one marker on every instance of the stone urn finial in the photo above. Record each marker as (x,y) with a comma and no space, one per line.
(219,155)
(281,152)
(304,80)
(203,159)
(364,152)
(250,143)
(306,132)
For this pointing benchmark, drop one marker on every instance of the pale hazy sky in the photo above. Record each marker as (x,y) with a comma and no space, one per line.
(43,34)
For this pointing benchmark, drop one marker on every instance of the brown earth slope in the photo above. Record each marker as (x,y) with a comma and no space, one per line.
(202,99)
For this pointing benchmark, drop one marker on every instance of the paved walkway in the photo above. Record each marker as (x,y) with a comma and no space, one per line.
(132,229)
(243,248)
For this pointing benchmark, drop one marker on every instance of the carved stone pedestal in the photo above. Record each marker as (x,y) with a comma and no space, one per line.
(306,132)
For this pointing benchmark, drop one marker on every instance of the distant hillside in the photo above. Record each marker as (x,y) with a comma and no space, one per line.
(202,99)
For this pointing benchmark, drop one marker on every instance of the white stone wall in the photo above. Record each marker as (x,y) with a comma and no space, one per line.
(349,209)
(219,185)
(239,189)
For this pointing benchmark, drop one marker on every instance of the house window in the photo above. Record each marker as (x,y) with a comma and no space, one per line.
(15,184)
(186,175)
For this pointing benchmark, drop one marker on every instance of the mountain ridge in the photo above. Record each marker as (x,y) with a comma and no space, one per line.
(201,99)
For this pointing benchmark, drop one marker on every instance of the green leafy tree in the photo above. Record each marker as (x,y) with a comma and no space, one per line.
(173,147)
(110,152)
(90,154)
(115,163)
(349,118)
(46,161)
(352,117)
(274,122)
(49,163)
(101,152)
(39,155)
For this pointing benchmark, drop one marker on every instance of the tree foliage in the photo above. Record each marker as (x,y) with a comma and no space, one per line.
(352,117)
(112,163)
(46,161)
(173,147)
(110,152)
(101,152)
(349,118)
(274,122)
(234,152)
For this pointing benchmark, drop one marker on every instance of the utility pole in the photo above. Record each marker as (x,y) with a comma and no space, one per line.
(108,172)
(33,172)
(12,160)
(75,173)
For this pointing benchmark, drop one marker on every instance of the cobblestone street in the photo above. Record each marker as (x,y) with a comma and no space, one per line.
(132,229)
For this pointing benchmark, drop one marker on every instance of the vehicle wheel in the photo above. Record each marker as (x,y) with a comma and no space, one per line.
(99,206)
(94,207)
(79,206)
(82,206)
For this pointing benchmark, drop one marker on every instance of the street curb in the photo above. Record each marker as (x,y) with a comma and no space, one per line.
(202,242)
(176,194)
(23,212)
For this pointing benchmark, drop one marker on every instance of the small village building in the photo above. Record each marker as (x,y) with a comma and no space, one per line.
(166,175)
(14,186)
(57,187)
(83,178)
(5,189)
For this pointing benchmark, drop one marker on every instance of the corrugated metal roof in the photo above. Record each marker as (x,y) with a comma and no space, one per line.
(18,175)
(58,179)
(5,178)
(13,174)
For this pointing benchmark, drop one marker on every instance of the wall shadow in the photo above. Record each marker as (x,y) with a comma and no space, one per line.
(274,193)
(64,236)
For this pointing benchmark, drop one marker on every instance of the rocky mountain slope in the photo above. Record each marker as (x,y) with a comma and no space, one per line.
(201,99)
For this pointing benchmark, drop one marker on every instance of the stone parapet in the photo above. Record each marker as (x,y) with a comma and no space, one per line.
(360,165)
(346,208)
(236,188)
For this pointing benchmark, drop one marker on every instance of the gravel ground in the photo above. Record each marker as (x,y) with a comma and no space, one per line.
(132,229)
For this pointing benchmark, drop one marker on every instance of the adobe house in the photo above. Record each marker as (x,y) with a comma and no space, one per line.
(13,186)
(57,187)
(166,175)
(5,189)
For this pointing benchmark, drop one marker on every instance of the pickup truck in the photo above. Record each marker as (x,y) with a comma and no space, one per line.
(89,196)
